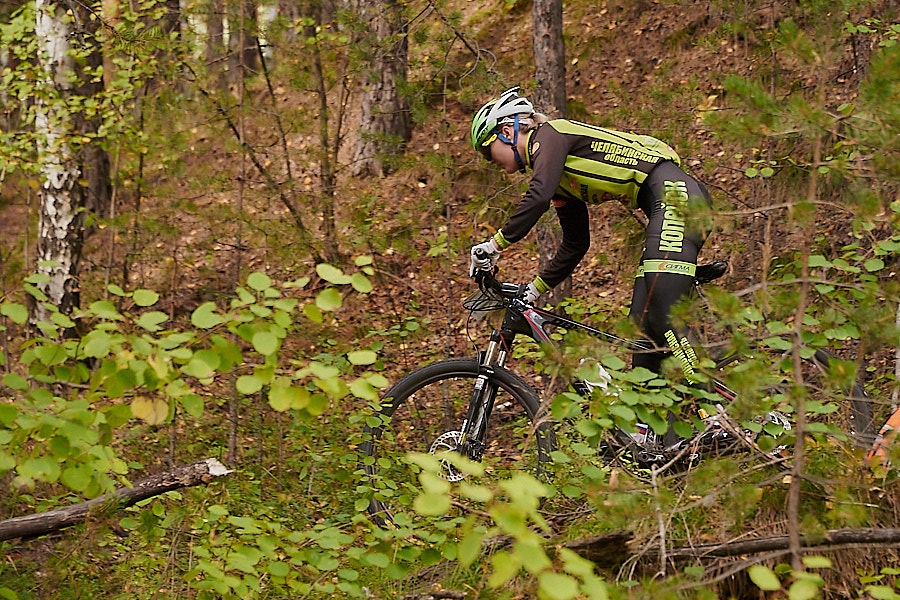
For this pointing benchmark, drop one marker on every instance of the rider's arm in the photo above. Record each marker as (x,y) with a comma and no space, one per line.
(573,217)
(548,157)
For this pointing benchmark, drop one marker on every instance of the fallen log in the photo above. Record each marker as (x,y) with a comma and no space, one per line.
(612,549)
(833,537)
(200,472)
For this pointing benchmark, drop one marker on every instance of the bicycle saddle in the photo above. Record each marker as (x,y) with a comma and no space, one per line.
(706,273)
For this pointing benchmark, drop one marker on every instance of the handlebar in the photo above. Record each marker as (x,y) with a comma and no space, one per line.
(487,282)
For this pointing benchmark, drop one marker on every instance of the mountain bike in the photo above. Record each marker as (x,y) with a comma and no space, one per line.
(476,407)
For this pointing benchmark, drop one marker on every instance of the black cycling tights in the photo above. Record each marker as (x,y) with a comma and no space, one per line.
(669,261)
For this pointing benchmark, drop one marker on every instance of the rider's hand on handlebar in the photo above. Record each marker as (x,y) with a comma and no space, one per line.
(530,294)
(484,257)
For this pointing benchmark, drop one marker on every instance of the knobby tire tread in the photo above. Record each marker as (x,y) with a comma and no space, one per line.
(398,394)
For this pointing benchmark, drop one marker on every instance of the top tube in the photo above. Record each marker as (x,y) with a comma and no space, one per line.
(526,319)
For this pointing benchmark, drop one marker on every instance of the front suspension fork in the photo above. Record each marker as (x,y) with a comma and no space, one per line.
(481,404)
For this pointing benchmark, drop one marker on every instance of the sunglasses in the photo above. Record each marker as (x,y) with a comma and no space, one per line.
(486,146)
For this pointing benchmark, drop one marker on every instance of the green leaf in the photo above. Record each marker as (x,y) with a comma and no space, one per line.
(279,568)
(265,343)
(332,274)
(361,388)
(361,261)
(259,281)
(41,469)
(76,477)
(17,312)
(506,566)
(297,283)
(145,297)
(15,381)
(362,357)
(874,264)
(249,384)
(97,344)
(764,578)
(817,562)
(193,404)
(557,586)
(151,320)
(431,504)
(62,320)
(202,365)
(205,317)
(622,411)
(8,414)
(284,397)
(804,589)
(153,411)
(329,299)
(243,558)
(817,260)
(881,592)
(313,313)
(8,594)
(751,172)
(361,283)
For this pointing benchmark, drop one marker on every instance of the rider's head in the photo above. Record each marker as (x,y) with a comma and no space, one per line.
(488,124)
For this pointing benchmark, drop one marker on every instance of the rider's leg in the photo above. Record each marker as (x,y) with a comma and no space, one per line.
(668,266)
(669,261)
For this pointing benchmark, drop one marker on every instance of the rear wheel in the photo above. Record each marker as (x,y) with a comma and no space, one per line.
(836,403)
(424,412)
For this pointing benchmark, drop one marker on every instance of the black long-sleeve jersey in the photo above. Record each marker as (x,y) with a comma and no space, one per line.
(575,164)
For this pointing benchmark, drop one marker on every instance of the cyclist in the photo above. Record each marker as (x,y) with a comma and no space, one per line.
(575,164)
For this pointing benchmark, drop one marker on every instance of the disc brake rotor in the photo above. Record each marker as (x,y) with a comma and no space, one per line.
(448,442)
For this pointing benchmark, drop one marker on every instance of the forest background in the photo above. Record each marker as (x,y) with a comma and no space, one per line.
(227,226)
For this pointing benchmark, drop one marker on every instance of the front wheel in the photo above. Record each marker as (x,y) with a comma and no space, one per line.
(424,412)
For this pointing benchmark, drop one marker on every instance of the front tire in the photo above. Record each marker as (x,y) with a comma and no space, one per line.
(424,411)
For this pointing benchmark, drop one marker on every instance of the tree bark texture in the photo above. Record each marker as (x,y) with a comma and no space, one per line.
(549,57)
(76,178)
(242,39)
(203,472)
(385,121)
(215,45)
(610,549)
(549,98)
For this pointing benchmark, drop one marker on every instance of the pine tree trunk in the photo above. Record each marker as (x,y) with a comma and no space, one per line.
(215,44)
(385,123)
(549,57)
(550,98)
(242,53)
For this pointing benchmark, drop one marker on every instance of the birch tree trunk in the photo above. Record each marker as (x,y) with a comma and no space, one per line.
(385,123)
(75,179)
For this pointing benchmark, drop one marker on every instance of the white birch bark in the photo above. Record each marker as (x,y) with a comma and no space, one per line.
(60,226)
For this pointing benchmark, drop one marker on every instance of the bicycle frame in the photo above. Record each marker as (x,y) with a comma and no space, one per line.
(523,319)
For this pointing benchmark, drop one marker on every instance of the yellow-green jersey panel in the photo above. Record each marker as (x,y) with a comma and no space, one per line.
(577,164)
(599,160)
(572,160)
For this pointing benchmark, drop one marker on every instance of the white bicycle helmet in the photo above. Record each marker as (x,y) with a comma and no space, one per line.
(498,112)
